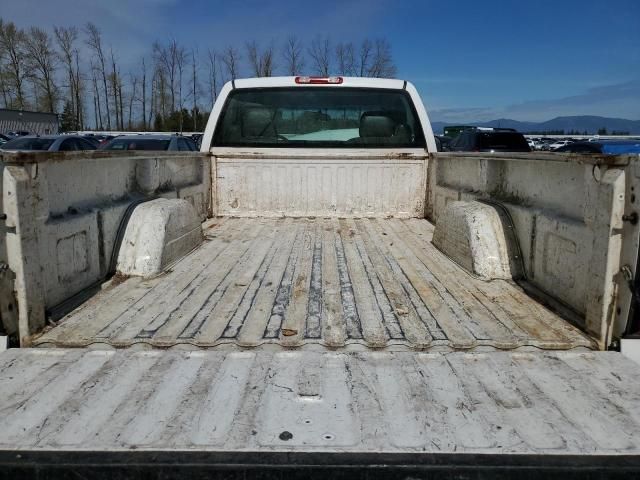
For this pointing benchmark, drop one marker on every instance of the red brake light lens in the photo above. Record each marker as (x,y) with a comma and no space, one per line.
(319,80)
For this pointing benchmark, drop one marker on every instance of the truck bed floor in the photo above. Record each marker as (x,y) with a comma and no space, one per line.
(331,282)
(323,404)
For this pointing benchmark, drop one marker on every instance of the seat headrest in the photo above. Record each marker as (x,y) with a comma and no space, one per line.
(255,121)
(373,124)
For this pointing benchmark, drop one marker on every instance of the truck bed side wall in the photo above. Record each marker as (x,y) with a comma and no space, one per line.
(63,212)
(567,213)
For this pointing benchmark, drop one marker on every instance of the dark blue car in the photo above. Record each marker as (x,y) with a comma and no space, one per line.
(609,147)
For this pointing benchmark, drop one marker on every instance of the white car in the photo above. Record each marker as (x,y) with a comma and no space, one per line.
(559,143)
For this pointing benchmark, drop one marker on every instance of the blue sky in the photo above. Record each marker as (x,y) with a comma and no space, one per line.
(471,60)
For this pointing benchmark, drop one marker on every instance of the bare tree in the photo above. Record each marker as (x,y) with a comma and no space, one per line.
(231,59)
(79,90)
(364,58)
(114,92)
(320,53)
(152,100)
(12,43)
(382,62)
(4,86)
(94,40)
(345,59)
(262,62)
(163,61)
(160,89)
(194,90)
(120,89)
(96,97)
(293,55)
(35,85)
(132,97)
(95,109)
(213,75)
(66,37)
(168,58)
(181,59)
(30,67)
(254,58)
(144,95)
(42,60)
(268,60)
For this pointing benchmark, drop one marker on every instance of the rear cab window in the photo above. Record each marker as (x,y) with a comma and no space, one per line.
(319,117)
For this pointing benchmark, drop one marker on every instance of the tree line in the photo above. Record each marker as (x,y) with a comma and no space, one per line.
(74,71)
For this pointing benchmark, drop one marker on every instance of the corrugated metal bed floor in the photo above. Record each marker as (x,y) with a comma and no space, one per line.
(330,282)
(328,402)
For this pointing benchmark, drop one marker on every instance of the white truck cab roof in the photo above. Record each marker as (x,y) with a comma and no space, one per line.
(327,82)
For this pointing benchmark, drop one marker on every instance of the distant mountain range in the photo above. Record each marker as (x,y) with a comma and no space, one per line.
(579,123)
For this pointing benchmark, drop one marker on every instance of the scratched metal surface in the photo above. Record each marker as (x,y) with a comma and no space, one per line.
(342,185)
(328,282)
(253,400)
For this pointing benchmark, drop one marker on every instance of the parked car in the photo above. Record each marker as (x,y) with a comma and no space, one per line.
(197,139)
(443,143)
(92,140)
(151,142)
(50,143)
(611,147)
(19,133)
(490,140)
(452,131)
(4,138)
(98,140)
(559,143)
(543,144)
(103,139)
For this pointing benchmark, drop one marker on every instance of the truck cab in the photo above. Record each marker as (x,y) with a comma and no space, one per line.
(313,112)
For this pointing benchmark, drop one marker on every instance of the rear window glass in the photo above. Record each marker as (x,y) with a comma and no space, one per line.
(502,141)
(299,117)
(135,144)
(28,144)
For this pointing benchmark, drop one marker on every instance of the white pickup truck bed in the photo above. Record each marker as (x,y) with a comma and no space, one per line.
(333,282)
(317,332)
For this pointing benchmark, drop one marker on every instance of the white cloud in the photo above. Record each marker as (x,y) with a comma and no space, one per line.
(620,100)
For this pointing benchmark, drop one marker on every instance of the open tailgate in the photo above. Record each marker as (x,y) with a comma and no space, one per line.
(249,414)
